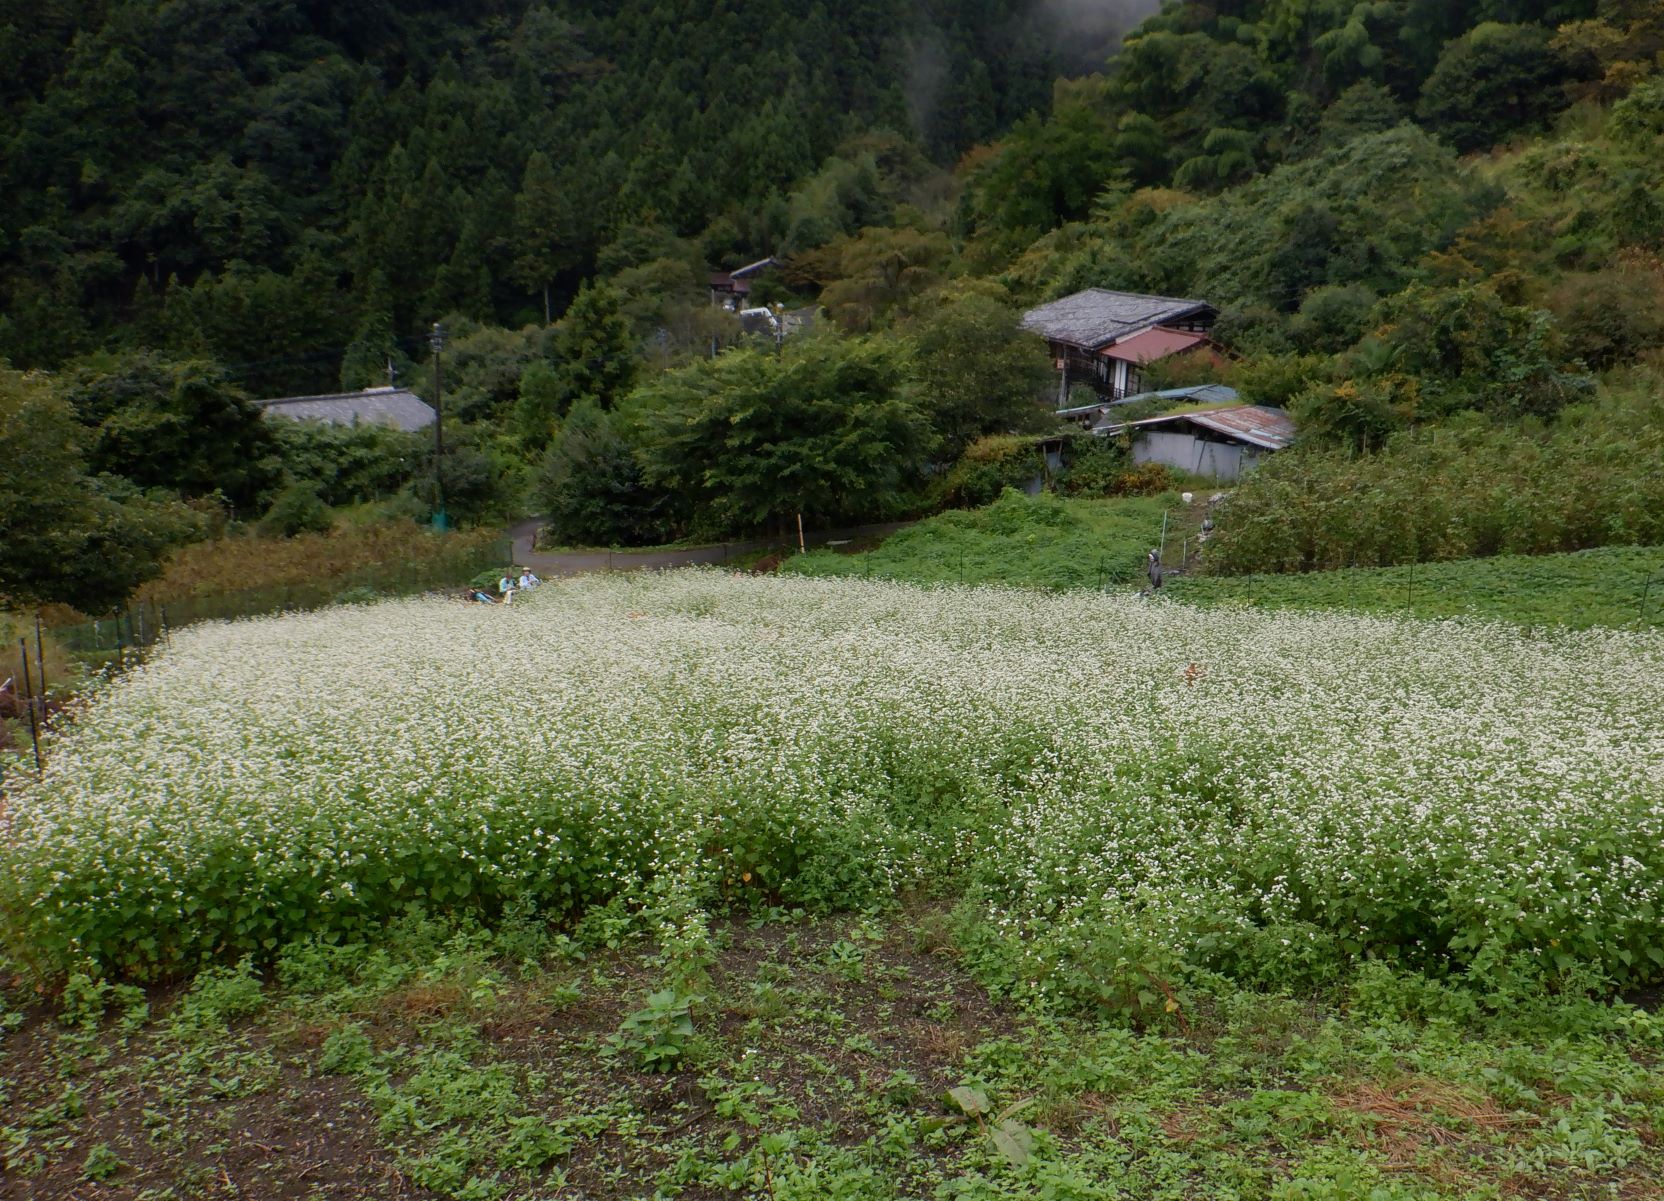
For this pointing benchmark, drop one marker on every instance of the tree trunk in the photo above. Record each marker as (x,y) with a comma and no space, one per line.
(546,320)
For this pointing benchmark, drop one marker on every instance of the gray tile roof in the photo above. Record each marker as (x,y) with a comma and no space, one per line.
(1096,317)
(399,408)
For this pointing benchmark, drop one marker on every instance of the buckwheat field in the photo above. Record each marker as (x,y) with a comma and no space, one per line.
(1118,789)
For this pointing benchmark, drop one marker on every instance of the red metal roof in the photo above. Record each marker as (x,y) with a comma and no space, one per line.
(1153,344)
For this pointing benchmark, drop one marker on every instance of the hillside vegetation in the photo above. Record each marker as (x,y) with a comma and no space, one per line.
(1413,216)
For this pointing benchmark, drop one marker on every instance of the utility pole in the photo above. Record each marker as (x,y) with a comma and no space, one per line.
(441,519)
(779,328)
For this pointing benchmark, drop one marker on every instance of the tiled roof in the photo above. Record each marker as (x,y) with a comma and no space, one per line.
(1096,317)
(399,408)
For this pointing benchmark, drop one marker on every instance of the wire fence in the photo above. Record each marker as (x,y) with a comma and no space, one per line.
(30,697)
(145,623)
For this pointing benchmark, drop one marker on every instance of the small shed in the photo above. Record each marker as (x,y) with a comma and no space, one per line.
(396,408)
(1222,442)
(731,289)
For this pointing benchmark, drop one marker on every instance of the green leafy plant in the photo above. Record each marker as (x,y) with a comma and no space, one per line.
(657,1034)
(101,1163)
(1010,1137)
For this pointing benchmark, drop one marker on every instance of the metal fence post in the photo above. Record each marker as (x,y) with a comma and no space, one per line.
(1646,597)
(29,701)
(40,658)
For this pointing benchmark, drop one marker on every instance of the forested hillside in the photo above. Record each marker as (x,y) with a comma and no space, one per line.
(259,179)
(1433,231)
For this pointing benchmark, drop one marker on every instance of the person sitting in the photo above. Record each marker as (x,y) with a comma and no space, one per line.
(506,586)
(527,579)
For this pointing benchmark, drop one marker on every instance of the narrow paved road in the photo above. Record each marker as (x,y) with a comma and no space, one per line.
(579,562)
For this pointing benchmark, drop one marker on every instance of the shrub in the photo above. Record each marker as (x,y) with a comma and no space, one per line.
(1463,490)
(1610,317)
(1146,479)
(989,466)
(298,509)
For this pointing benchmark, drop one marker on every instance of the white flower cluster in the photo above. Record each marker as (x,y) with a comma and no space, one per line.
(1230,787)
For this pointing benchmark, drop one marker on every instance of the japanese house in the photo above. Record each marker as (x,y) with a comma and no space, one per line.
(732,289)
(398,408)
(1104,339)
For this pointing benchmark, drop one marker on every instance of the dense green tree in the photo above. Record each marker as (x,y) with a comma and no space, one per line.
(348,464)
(752,439)
(297,509)
(537,410)
(1638,119)
(1492,82)
(72,537)
(1364,108)
(595,348)
(482,480)
(1332,318)
(1470,349)
(880,273)
(540,225)
(236,139)
(1044,172)
(374,351)
(978,373)
(591,486)
(165,424)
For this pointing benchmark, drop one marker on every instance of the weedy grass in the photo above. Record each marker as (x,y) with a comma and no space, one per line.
(440,1059)
(1037,542)
(348,555)
(1616,587)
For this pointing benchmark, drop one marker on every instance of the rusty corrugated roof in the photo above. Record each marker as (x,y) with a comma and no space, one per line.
(1258,425)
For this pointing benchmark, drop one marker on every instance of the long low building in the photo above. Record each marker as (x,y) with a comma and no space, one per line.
(1222,443)
(397,408)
